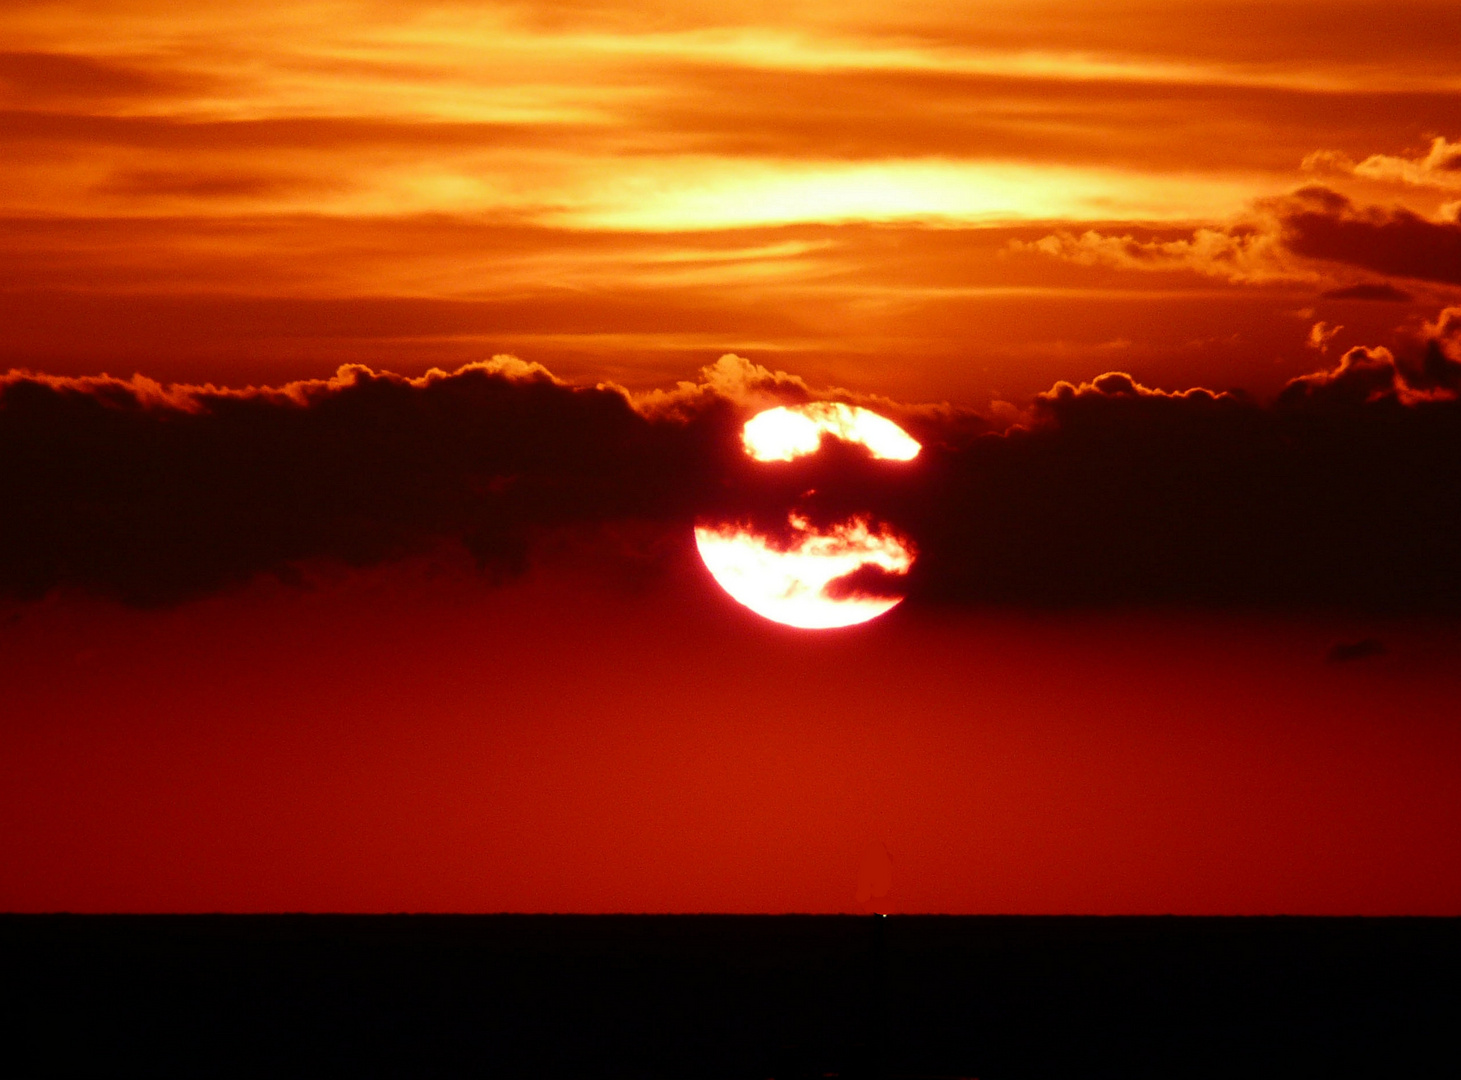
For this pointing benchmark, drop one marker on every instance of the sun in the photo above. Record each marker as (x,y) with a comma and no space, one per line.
(791,431)
(813,577)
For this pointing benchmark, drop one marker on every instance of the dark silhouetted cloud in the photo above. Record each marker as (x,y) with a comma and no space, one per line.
(153,494)
(1344,492)
(1378,291)
(1319,223)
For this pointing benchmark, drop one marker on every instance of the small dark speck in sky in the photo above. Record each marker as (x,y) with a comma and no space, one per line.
(1346,651)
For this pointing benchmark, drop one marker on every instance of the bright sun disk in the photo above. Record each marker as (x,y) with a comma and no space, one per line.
(789,586)
(791,431)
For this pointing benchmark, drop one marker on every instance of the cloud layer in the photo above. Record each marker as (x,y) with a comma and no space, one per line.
(1343,492)
(152,494)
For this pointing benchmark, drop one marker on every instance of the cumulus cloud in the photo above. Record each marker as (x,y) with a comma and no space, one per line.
(1345,491)
(751,387)
(1445,332)
(1323,225)
(1366,376)
(731,379)
(152,494)
(1309,235)
(1250,252)
(1439,167)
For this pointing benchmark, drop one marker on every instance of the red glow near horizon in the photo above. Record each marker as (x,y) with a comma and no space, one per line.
(411,744)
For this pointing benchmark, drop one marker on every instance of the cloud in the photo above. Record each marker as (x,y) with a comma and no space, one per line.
(214,185)
(750,387)
(153,494)
(1344,492)
(1321,334)
(733,379)
(1366,376)
(56,78)
(1249,253)
(1378,291)
(1445,332)
(1321,224)
(1308,235)
(1440,167)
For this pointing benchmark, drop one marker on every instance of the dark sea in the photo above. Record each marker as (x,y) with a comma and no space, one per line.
(745,997)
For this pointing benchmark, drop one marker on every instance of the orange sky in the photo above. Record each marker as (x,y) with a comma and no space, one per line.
(250,192)
(246,662)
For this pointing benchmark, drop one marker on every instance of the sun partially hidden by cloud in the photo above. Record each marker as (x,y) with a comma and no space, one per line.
(1340,492)
(796,584)
(830,573)
(789,432)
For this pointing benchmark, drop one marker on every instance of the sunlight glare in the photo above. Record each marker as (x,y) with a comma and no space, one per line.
(791,431)
(788,586)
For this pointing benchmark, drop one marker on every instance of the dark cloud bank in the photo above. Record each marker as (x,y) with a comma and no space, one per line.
(152,495)
(1345,492)
(1321,224)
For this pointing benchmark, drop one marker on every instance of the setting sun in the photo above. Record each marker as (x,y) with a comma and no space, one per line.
(791,585)
(789,432)
(809,581)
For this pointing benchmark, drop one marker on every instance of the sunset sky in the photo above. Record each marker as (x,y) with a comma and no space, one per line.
(372,364)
